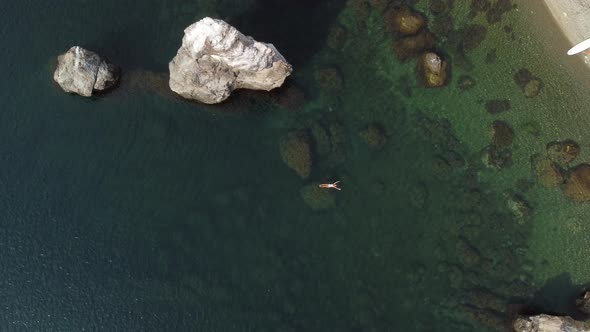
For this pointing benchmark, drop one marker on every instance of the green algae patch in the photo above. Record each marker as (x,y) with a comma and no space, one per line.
(318,198)
(533,95)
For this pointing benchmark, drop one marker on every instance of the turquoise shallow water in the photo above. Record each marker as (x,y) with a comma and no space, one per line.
(137,211)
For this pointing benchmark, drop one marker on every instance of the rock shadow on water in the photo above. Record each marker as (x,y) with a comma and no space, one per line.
(298,28)
(289,97)
(556,297)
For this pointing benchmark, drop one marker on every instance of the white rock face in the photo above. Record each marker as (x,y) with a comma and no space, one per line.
(583,303)
(216,59)
(81,71)
(547,323)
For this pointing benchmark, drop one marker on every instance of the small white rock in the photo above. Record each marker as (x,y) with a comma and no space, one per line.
(82,71)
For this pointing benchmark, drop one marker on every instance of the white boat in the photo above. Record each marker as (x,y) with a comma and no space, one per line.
(581,47)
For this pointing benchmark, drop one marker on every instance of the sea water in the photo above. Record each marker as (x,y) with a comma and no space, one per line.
(138,211)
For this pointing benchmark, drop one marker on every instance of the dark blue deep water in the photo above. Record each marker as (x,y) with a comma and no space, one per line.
(139,211)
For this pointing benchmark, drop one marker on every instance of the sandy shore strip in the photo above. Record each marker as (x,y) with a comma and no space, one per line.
(558,25)
(573,18)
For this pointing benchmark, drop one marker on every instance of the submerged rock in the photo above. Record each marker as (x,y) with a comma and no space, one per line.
(485,299)
(502,134)
(522,77)
(489,318)
(547,323)
(412,46)
(216,59)
(437,132)
(321,140)
(329,79)
(473,36)
(547,173)
(337,134)
(327,142)
(519,207)
(497,9)
(583,303)
(290,97)
(403,21)
(296,152)
(432,70)
(82,72)
(373,135)
(563,152)
(577,185)
(532,88)
(528,83)
(317,198)
(494,157)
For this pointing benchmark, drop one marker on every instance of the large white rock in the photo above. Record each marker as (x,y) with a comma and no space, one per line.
(216,59)
(547,323)
(82,71)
